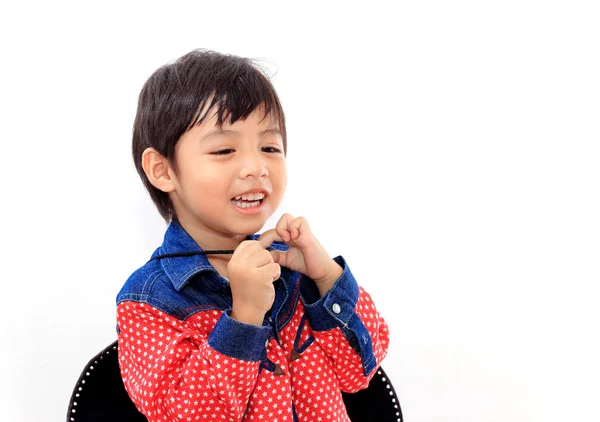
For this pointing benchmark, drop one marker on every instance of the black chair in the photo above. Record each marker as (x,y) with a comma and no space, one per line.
(100,396)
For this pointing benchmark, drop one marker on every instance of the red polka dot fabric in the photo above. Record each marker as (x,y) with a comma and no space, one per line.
(172,374)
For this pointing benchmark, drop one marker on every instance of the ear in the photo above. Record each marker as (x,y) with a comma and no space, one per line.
(158,170)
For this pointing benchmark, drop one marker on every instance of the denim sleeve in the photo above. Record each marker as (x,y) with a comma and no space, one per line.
(337,308)
(238,340)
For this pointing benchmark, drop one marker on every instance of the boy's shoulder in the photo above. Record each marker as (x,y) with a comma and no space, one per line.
(151,284)
(138,280)
(146,284)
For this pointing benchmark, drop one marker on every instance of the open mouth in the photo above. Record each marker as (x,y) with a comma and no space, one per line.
(249,201)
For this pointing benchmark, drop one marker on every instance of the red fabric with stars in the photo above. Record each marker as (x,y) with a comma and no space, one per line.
(172,374)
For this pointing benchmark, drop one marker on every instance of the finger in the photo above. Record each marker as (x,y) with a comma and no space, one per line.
(278,257)
(272,270)
(283,227)
(241,250)
(267,238)
(299,226)
(245,252)
(260,258)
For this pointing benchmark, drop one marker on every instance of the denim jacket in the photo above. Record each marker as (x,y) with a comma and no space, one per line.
(182,356)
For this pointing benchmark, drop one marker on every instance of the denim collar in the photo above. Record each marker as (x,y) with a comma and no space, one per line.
(182,268)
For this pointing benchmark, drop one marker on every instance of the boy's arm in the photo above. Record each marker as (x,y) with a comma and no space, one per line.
(348,327)
(174,372)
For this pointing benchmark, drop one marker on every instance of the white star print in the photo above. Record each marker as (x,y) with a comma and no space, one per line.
(168,362)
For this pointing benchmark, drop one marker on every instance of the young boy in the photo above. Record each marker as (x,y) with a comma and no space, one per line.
(275,330)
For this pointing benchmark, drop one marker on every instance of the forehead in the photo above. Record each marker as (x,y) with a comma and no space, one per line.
(256,123)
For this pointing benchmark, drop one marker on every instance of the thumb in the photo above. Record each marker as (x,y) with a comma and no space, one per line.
(268,237)
(278,256)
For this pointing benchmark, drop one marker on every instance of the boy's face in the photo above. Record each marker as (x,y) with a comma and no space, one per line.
(217,165)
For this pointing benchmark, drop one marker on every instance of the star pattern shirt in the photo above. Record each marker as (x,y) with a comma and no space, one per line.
(183,358)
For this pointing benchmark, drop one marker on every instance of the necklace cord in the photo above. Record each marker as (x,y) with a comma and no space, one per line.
(184,254)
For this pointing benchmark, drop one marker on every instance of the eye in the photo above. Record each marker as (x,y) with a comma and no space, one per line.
(223,152)
(271,149)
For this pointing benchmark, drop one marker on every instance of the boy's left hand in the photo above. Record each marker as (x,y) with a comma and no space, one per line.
(305,255)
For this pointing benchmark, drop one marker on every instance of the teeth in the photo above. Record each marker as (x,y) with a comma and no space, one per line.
(247,204)
(251,196)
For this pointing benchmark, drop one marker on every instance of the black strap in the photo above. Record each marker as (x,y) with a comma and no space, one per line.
(176,254)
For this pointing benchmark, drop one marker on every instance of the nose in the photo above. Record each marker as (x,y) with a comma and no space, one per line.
(254,165)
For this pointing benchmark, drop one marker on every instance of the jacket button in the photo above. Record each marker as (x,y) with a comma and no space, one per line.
(336,308)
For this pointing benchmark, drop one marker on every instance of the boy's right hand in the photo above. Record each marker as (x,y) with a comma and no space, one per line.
(252,271)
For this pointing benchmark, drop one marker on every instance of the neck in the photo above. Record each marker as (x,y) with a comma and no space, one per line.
(208,239)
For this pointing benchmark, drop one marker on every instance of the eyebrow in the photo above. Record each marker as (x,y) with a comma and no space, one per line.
(271,130)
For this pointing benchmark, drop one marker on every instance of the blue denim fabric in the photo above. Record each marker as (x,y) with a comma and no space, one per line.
(251,339)
(322,317)
(182,286)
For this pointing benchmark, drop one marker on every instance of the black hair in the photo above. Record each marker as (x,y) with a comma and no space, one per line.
(173,99)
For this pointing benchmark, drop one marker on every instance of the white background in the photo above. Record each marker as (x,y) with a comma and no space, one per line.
(449,150)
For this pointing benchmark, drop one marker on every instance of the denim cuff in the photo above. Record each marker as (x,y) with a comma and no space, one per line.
(238,340)
(336,307)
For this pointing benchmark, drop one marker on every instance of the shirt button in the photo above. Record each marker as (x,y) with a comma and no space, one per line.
(336,308)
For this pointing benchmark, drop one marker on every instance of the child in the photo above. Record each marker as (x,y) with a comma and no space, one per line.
(274,329)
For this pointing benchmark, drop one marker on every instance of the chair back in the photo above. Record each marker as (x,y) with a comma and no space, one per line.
(376,403)
(100,396)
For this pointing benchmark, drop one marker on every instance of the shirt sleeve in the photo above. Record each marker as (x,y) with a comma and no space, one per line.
(174,370)
(347,325)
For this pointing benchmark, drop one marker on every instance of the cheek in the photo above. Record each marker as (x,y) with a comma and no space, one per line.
(279,171)
(283,178)
(283,182)
(206,181)
(279,184)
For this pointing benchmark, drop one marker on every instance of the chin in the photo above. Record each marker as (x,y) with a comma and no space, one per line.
(249,228)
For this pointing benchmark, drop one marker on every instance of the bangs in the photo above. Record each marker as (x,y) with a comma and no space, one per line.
(234,97)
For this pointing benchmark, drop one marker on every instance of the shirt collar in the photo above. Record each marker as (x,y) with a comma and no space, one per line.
(182,268)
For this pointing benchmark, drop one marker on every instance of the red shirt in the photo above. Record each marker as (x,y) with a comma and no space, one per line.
(183,358)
